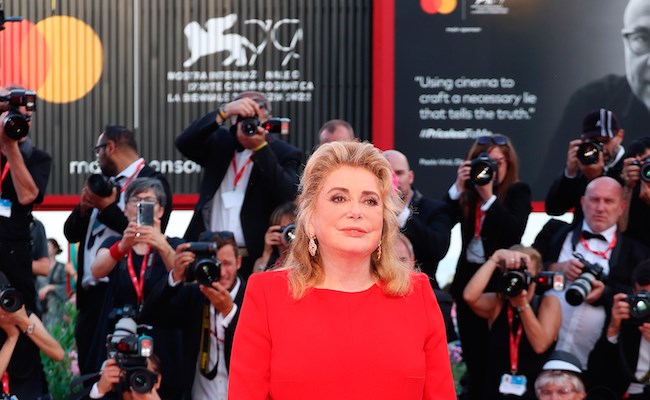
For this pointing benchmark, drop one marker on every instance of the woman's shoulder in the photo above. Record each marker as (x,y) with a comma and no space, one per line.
(419,282)
(269,279)
(519,187)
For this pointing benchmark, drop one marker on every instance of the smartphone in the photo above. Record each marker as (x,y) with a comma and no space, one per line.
(144,213)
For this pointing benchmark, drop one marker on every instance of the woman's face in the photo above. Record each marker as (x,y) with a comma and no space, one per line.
(348,214)
(496,153)
(51,250)
(563,391)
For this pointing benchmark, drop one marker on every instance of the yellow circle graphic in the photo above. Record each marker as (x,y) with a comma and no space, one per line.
(76,59)
(447,6)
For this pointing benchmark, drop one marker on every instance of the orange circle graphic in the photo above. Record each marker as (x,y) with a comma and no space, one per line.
(438,6)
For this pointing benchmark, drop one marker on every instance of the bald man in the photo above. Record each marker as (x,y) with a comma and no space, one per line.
(425,222)
(599,241)
(336,130)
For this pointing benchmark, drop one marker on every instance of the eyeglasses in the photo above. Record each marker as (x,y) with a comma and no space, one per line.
(98,147)
(637,41)
(133,200)
(499,140)
(561,393)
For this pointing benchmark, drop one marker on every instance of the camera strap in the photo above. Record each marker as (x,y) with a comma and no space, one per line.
(204,353)
(514,340)
(138,168)
(478,221)
(5,384)
(147,261)
(603,253)
(238,174)
(5,171)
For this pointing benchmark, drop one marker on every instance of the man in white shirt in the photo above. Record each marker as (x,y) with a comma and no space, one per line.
(599,241)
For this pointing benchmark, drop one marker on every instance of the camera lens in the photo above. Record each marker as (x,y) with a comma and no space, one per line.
(579,289)
(514,282)
(249,126)
(639,308)
(288,233)
(588,153)
(207,271)
(10,300)
(142,381)
(15,126)
(481,173)
(100,185)
(645,172)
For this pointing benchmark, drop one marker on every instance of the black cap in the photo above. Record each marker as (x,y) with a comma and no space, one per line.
(600,123)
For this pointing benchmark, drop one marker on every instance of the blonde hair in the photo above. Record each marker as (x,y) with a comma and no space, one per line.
(306,271)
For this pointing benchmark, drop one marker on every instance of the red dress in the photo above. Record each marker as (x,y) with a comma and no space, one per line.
(338,345)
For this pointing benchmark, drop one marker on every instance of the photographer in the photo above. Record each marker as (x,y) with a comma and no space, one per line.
(247,174)
(24,335)
(598,152)
(492,215)
(23,181)
(636,191)
(98,216)
(207,313)
(606,268)
(619,361)
(136,262)
(529,320)
(277,237)
(111,376)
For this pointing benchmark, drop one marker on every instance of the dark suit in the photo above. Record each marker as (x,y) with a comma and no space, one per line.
(612,365)
(428,229)
(273,180)
(565,193)
(92,302)
(182,307)
(503,226)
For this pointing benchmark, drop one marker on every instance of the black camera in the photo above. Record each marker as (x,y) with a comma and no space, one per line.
(206,269)
(482,169)
(10,299)
(515,281)
(288,233)
(272,125)
(639,307)
(130,351)
(582,286)
(100,185)
(16,124)
(588,152)
(644,169)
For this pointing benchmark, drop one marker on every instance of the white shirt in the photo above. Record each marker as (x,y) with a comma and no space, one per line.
(98,232)
(216,389)
(582,325)
(228,200)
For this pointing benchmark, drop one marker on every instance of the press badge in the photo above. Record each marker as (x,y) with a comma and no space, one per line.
(5,208)
(232,199)
(513,384)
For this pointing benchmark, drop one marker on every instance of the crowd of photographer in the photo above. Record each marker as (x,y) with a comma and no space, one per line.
(581,289)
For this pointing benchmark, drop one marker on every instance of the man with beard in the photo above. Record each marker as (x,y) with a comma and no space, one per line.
(425,222)
(97,217)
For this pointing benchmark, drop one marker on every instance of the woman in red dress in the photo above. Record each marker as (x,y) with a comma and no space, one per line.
(344,317)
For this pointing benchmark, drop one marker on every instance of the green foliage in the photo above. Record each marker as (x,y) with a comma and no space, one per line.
(59,374)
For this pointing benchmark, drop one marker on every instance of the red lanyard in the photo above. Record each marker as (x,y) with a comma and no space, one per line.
(5,383)
(138,285)
(132,177)
(514,341)
(603,253)
(478,221)
(239,173)
(5,171)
